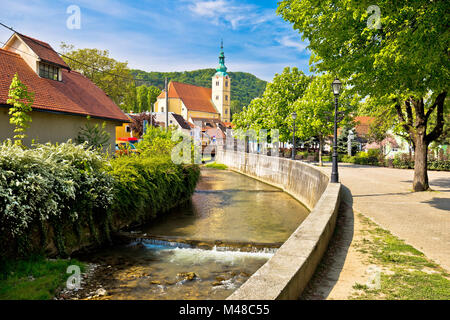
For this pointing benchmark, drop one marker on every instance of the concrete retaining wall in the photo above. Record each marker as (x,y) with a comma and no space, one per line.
(287,273)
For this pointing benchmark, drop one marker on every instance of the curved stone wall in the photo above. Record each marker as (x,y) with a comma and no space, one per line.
(287,273)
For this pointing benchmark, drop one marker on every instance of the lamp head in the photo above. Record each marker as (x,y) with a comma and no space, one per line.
(336,85)
(294,115)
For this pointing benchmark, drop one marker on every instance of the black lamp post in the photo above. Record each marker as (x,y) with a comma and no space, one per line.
(337,85)
(294,116)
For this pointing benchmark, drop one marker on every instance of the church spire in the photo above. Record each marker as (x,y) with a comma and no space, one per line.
(222,69)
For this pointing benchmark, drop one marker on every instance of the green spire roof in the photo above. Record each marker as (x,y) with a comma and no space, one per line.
(222,69)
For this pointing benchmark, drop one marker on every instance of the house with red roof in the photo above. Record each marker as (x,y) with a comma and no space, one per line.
(63,99)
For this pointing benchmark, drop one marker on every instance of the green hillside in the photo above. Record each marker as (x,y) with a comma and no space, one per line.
(244,86)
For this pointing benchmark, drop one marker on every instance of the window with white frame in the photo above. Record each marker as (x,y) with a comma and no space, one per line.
(48,71)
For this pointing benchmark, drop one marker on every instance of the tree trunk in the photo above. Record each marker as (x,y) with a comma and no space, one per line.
(420,182)
(415,123)
(320,150)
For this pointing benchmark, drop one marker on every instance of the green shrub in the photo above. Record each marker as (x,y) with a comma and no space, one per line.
(69,191)
(51,185)
(147,185)
(364,158)
(150,183)
(439,165)
(215,165)
(402,161)
(347,159)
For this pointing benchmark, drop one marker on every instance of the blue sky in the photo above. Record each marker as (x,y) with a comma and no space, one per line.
(168,35)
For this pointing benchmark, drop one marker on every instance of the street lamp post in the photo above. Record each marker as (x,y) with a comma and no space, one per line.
(294,116)
(336,86)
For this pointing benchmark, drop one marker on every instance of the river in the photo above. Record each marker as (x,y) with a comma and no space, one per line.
(204,249)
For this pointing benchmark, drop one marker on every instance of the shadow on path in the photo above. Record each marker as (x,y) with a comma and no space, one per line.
(439,203)
(329,269)
(382,194)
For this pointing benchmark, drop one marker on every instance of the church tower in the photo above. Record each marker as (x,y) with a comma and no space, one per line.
(221,89)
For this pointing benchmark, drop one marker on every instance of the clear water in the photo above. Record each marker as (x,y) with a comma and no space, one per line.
(226,206)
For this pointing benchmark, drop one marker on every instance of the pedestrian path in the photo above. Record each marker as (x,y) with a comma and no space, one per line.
(385,195)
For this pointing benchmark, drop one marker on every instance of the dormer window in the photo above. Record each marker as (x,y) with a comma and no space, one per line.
(49,71)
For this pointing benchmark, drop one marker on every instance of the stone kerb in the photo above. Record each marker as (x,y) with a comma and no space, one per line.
(287,273)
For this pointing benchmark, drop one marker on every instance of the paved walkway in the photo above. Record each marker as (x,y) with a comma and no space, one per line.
(422,219)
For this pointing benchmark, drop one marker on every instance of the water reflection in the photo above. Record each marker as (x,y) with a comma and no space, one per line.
(228,206)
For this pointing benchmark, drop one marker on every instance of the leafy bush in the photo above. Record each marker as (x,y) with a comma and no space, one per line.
(147,185)
(69,191)
(215,165)
(364,158)
(347,159)
(150,183)
(402,161)
(439,165)
(93,135)
(51,185)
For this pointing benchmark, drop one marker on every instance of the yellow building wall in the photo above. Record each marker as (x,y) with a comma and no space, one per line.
(174,105)
(50,127)
(200,114)
(121,132)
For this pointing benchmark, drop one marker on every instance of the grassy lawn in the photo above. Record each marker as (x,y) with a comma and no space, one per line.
(33,279)
(215,165)
(406,274)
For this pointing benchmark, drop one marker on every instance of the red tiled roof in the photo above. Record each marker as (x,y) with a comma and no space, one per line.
(195,98)
(44,51)
(183,123)
(75,94)
(363,125)
(229,124)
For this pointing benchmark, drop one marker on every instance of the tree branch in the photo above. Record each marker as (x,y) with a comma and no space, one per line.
(439,128)
(431,109)
(403,122)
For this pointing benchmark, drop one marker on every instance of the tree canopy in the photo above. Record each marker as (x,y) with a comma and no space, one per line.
(274,109)
(403,63)
(110,75)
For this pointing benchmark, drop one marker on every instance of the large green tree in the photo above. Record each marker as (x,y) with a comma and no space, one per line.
(315,110)
(152,95)
(274,109)
(112,76)
(403,60)
(142,98)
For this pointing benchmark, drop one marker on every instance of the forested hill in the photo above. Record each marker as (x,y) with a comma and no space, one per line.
(244,86)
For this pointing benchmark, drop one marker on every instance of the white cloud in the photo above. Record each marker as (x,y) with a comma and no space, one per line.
(223,11)
(210,8)
(293,42)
